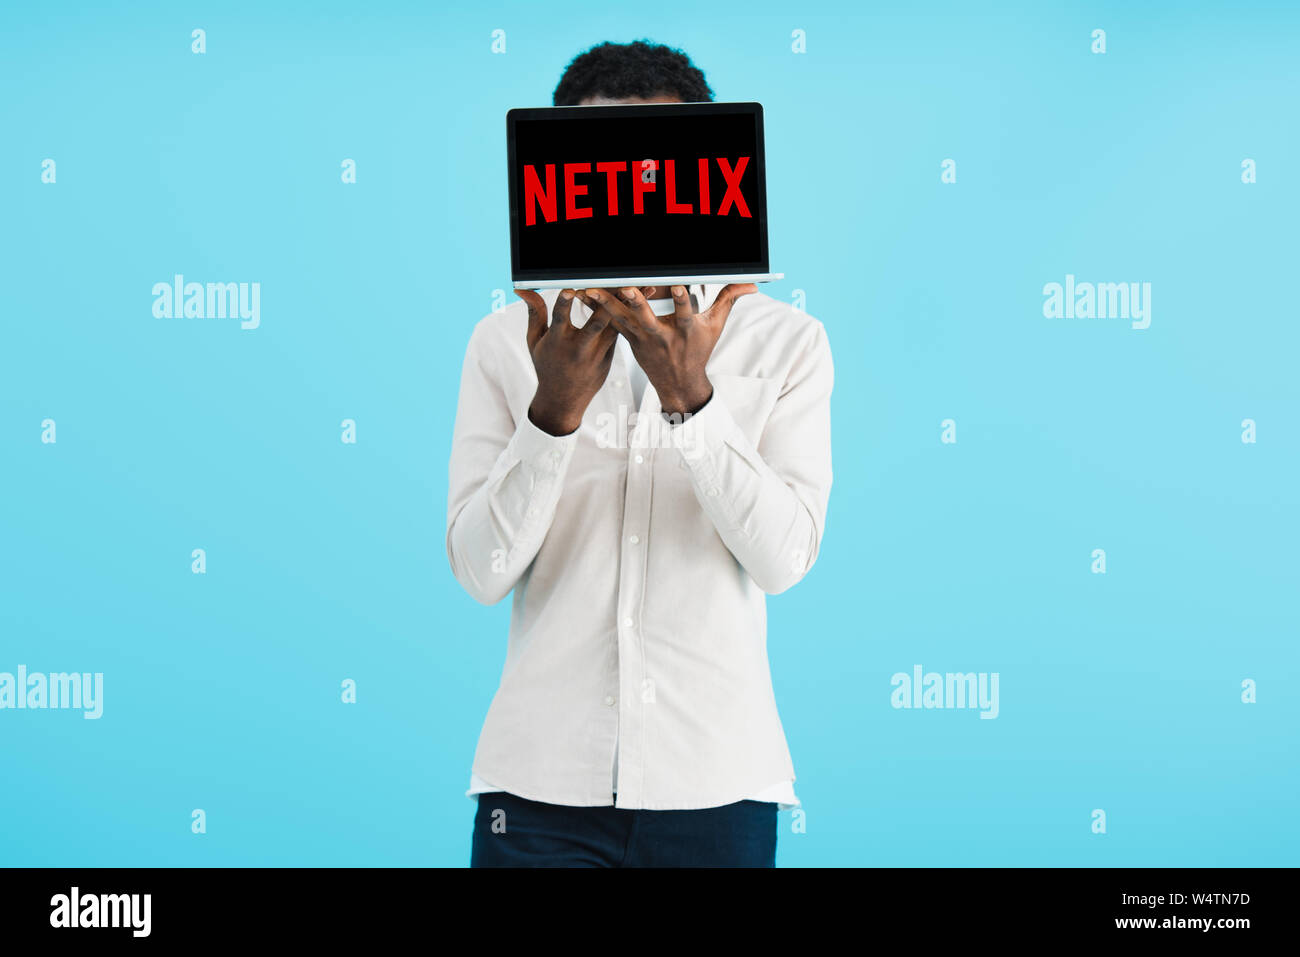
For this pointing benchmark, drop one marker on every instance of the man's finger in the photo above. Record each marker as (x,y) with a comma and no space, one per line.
(606,342)
(536,316)
(641,313)
(682,302)
(617,314)
(599,321)
(727,297)
(563,308)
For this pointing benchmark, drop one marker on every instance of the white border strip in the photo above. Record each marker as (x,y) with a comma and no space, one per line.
(608,282)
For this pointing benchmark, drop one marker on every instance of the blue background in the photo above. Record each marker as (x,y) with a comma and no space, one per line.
(326,561)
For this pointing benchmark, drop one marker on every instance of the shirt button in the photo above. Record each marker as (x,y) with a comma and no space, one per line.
(618,383)
(609,700)
(635,540)
(713,491)
(639,459)
(627,622)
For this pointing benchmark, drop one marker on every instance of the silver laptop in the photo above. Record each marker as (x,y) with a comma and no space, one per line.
(648,195)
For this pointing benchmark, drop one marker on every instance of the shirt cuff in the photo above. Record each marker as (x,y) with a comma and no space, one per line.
(701,434)
(541,460)
(542,452)
(705,440)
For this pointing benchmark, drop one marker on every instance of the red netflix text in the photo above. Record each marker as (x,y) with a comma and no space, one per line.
(576,181)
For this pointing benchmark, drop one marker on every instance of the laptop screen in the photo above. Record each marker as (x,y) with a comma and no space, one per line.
(654,190)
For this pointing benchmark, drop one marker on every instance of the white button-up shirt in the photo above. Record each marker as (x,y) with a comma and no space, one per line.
(639,553)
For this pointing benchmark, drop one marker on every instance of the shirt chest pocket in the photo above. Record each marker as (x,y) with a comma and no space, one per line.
(749,399)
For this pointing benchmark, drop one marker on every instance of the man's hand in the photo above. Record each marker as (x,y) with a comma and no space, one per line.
(571,363)
(672,350)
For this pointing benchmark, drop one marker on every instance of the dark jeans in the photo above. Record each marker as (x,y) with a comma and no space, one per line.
(510,831)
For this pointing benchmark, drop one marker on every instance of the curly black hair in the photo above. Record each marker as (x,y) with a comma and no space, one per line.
(641,69)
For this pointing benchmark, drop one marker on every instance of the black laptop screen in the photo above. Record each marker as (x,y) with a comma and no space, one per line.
(658,190)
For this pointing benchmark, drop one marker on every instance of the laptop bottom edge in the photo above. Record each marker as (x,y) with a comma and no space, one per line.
(605,282)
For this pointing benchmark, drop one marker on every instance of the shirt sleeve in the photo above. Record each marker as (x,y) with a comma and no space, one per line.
(504,481)
(768,503)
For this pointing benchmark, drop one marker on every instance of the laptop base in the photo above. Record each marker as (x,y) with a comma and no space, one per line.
(613,282)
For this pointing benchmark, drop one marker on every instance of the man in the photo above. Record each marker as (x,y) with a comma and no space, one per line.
(639,482)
